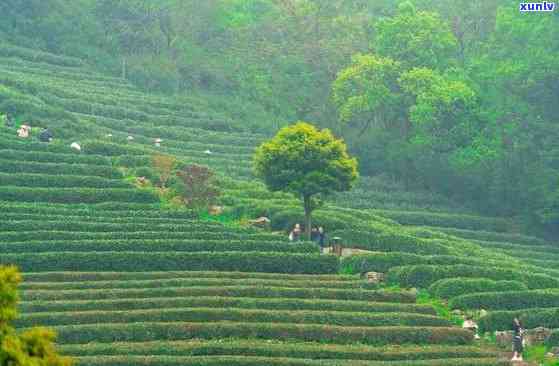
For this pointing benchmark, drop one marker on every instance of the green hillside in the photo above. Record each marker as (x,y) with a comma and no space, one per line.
(126,278)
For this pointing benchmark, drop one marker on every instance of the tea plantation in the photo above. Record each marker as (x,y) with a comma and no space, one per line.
(125,279)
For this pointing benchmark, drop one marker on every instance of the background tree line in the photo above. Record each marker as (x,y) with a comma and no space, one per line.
(457,96)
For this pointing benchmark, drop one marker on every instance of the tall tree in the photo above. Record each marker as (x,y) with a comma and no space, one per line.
(416,38)
(306,162)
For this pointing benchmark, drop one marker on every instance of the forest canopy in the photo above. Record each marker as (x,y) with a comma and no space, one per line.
(456,96)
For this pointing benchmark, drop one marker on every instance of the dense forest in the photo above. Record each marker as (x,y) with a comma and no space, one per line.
(455,96)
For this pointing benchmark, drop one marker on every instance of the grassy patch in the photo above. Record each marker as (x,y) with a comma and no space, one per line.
(537,354)
(442,309)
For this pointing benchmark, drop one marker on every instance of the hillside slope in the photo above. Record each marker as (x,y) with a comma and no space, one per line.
(104,263)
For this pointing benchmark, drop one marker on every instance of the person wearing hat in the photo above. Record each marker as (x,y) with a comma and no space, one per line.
(23,131)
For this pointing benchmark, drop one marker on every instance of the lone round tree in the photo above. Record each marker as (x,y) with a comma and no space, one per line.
(305,161)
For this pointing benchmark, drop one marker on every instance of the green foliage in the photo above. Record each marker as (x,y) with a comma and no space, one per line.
(301,332)
(453,221)
(209,315)
(172,261)
(530,318)
(199,186)
(306,162)
(390,240)
(425,275)
(97,147)
(228,291)
(417,38)
(261,361)
(59,181)
(258,348)
(367,89)
(76,195)
(34,346)
(553,340)
(229,302)
(203,244)
(453,287)
(539,354)
(14,167)
(511,300)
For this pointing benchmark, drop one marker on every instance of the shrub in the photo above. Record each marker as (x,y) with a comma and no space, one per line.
(111,209)
(207,315)
(493,236)
(227,302)
(15,167)
(425,275)
(147,173)
(258,348)
(226,291)
(50,157)
(264,361)
(164,165)
(171,261)
(389,240)
(553,340)
(383,262)
(132,161)
(530,318)
(79,236)
(452,287)
(199,188)
(469,222)
(60,181)
(96,147)
(140,332)
(126,224)
(512,300)
(146,245)
(76,195)
(378,262)
(194,282)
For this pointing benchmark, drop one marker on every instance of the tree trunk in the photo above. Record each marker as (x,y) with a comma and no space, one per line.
(308,211)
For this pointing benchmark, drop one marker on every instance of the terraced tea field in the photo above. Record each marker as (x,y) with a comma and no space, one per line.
(218,318)
(127,282)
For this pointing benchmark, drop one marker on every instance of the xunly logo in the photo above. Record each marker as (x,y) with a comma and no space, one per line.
(545,6)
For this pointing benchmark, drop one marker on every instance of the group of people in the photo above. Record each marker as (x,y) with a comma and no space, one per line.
(24,130)
(317,235)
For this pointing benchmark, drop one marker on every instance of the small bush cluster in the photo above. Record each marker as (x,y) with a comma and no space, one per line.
(60,181)
(256,348)
(76,195)
(530,318)
(173,261)
(425,275)
(16,167)
(185,246)
(140,332)
(228,302)
(511,300)
(208,315)
(468,222)
(452,287)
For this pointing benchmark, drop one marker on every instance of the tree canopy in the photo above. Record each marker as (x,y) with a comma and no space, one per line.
(307,162)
